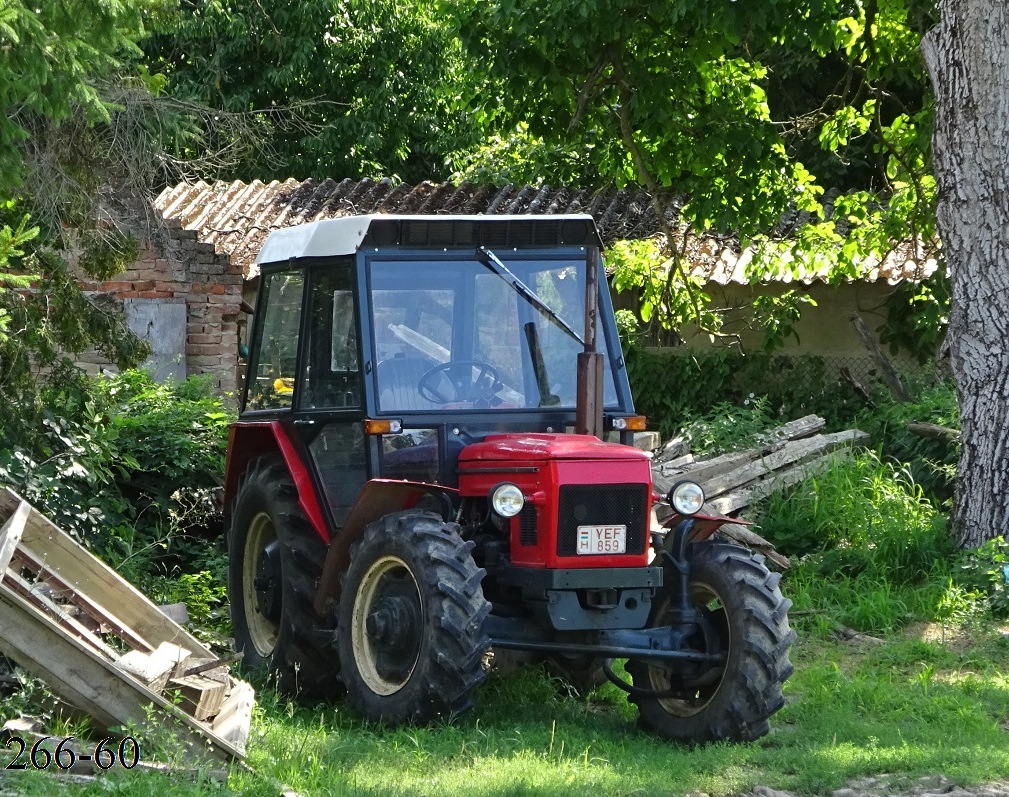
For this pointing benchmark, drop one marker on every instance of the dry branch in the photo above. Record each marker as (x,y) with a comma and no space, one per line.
(933,430)
(886,368)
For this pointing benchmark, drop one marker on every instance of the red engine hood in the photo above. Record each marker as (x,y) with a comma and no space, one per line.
(538,447)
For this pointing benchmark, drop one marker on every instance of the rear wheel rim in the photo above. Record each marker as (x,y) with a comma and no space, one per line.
(263,631)
(387,625)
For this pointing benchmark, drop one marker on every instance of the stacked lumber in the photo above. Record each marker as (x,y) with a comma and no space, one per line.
(102,646)
(782,458)
(732,482)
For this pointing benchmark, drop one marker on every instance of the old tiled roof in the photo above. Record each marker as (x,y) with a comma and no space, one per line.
(236,217)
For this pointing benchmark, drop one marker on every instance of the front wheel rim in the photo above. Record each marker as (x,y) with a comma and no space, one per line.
(694,700)
(386,625)
(263,631)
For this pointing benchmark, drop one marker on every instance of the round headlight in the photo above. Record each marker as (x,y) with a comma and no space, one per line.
(687,498)
(507,500)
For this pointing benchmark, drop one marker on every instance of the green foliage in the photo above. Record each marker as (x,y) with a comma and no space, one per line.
(917,318)
(129,467)
(668,299)
(54,69)
(346,88)
(863,515)
(733,117)
(518,157)
(931,460)
(51,58)
(205,595)
(776,317)
(871,552)
(728,428)
(986,570)
(670,387)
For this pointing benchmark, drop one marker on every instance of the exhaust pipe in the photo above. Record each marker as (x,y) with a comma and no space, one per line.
(589,399)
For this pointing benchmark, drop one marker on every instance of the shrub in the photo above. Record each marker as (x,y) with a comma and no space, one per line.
(131,469)
(670,387)
(932,460)
(863,514)
(986,570)
(728,428)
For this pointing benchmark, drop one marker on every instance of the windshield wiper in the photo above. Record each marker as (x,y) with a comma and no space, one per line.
(493,263)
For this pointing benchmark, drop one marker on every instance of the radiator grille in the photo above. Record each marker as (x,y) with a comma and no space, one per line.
(602,505)
(527,525)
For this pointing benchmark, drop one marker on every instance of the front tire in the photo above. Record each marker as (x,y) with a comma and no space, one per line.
(745,618)
(275,558)
(411,620)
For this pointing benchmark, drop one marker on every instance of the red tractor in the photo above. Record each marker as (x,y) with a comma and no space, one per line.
(418,476)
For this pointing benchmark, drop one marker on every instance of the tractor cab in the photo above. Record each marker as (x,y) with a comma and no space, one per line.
(422,470)
(390,344)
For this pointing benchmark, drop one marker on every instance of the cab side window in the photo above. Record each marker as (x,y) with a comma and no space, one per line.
(332,378)
(273,370)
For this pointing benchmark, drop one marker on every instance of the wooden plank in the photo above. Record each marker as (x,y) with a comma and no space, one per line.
(705,469)
(97,612)
(40,633)
(87,680)
(792,453)
(10,534)
(793,430)
(233,722)
(59,613)
(153,669)
(199,696)
(736,500)
(76,566)
(886,368)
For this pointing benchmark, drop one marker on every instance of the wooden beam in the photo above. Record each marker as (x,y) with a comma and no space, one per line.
(739,499)
(10,534)
(77,567)
(58,613)
(235,719)
(40,630)
(791,454)
(87,680)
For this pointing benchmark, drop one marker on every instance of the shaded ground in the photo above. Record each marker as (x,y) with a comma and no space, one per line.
(932,786)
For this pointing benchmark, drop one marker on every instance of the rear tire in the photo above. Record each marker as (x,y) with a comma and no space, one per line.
(746,619)
(581,674)
(411,620)
(275,558)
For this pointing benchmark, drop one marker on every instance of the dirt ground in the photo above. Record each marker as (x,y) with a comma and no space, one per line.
(932,786)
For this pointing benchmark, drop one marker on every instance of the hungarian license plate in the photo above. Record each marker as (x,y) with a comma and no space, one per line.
(602,539)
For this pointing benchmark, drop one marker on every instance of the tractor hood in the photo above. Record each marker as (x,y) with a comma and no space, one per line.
(540,447)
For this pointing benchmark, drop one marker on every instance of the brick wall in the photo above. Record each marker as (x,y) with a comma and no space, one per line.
(178,266)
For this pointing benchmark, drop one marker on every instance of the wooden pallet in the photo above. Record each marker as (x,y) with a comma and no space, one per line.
(72,621)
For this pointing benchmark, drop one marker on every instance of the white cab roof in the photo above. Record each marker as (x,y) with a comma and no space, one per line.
(343,235)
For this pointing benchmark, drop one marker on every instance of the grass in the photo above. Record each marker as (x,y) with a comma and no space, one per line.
(908,707)
(929,696)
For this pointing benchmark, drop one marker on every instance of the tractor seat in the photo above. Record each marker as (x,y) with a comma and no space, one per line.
(398,378)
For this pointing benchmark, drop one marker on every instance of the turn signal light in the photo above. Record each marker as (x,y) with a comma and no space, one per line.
(382,426)
(634,423)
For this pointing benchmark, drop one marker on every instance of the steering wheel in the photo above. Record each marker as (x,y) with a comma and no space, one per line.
(472,380)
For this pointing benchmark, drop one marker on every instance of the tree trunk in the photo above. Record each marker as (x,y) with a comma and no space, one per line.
(967,55)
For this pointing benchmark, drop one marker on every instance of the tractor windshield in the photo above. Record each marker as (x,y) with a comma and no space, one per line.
(454,334)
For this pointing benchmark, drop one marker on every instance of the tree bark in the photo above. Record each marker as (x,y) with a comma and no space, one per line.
(967,56)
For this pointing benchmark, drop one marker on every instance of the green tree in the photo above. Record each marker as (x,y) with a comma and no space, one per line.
(55,61)
(346,88)
(736,117)
(722,102)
